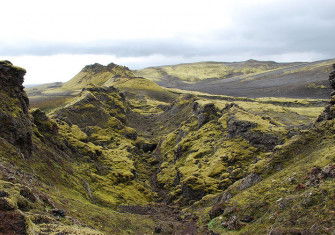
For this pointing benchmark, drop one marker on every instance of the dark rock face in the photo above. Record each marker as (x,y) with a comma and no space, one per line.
(332,78)
(329,112)
(238,127)
(58,213)
(192,194)
(98,68)
(13,222)
(216,210)
(205,113)
(43,123)
(15,124)
(3,194)
(6,205)
(256,138)
(146,147)
(26,192)
(249,181)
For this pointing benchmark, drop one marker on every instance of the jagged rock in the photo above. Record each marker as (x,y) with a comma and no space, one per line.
(15,124)
(99,68)
(232,224)
(24,205)
(58,212)
(259,139)
(101,89)
(3,194)
(43,123)
(192,190)
(329,112)
(332,78)
(216,210)
(146,147)
(6,205)
(131,135)
(11,75)
(238,127)
(13,222)
(205,113)
(317,174)
(249,181)
(226,196)
(26,192)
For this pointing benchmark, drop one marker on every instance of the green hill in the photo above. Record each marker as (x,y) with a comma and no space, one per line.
(126,156)
(247,79)
(194,72)
(96,74)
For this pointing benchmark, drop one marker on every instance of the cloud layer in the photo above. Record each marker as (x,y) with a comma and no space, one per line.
(170,31)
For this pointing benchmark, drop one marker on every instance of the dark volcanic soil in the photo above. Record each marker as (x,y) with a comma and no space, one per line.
(299,81)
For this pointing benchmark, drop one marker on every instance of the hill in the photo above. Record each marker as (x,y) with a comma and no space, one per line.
(247,79)
(96,74)
(193,72)
(130,157)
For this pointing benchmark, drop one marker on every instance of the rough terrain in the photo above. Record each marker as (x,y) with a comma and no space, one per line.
(123,155)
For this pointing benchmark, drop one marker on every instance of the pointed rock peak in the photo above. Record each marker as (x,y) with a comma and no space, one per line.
(5,63)
(97,68)
(11,75)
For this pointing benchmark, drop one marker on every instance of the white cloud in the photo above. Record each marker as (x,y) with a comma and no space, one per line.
(53,40)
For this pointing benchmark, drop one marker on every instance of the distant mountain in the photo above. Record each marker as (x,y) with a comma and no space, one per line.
(193,72)
(247,79)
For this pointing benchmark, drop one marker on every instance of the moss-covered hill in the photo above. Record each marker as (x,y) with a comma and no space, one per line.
(247,79)
(206,70)
(127,156)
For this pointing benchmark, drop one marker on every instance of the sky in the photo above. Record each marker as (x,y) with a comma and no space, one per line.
(54,40)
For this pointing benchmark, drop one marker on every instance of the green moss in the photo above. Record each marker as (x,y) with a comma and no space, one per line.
(205,70)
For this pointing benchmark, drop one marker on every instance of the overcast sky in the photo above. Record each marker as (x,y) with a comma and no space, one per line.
(53,40)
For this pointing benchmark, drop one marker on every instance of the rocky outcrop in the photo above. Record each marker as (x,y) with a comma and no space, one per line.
(332,78)
(329,112)
(99,68)
(205,113)
(262,140)
(15,124)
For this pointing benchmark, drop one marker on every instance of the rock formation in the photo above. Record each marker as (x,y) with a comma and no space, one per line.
(329,112)
(15,124)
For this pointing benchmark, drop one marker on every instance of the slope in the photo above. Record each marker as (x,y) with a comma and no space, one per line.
(264,79)
(131,157)
(194,72)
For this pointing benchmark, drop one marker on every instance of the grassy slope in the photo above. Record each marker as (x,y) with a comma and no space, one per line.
(204,70)
(285,200)
(193,159)
(247,79)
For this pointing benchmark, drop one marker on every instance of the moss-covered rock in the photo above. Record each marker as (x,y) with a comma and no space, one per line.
(15,123)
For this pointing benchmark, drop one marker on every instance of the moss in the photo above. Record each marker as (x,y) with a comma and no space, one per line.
(205,70)
(277,200)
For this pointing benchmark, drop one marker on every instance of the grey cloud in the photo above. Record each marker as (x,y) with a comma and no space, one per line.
(285,27)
